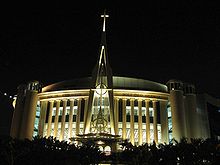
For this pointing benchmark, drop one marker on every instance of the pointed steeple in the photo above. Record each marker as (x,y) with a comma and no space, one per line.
(102,66)
(100,103)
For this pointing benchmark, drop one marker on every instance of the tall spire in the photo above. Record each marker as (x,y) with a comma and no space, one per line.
(100,104)
(102,67)
(103,39)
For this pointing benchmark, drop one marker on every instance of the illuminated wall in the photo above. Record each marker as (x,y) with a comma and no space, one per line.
(134,113)
(141,116)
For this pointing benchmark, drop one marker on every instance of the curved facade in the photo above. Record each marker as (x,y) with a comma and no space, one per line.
(137,112)
(143,110)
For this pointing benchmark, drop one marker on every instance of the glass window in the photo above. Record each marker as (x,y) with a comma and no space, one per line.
(128,110)
(169,123)
(60,111)
(136,135)
(120,110)
(128,133)
(144,135)
(120,131)
(67,110)
(151,112)
(169,111)
(159,132)
(38,113)
(151,133)
(128,102)
(135,103)
(136,111)
(75,110)
(143,111)
(128,118)
(54,111)
(170,136)
(36,122)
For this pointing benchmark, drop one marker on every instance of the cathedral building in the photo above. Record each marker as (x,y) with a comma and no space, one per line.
(107,108)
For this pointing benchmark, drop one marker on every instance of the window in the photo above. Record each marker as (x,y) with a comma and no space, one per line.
(169,111)
(37,117)
(128,110)
(135,111)
(151,112)
(67,110)
(143,111)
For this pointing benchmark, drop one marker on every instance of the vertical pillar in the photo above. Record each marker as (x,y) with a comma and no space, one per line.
(78,116)
(27,126)
(18,112)
(89,113)
(147,122)
(43,111)
(192,120)
(56,118)
(63,120)
(124,119)
(140,136)
(116,115)
(132,121)
(112,119)
(155,122)
(178,114)
(50,118)
(85,112)
(70,126)
(164,121)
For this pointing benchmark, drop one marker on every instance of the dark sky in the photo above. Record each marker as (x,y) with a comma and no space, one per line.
(155,41)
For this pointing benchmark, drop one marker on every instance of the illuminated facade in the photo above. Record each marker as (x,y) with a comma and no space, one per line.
(107,107)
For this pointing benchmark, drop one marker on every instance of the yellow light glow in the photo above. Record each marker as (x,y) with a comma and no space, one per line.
(101,90)
(100,142)
(14,102)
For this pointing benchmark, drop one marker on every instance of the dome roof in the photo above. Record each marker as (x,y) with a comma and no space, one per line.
(118,83)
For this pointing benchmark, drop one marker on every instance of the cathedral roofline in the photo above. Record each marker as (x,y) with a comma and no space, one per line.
(118,83)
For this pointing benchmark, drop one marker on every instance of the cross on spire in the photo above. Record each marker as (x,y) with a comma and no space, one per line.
(104,16)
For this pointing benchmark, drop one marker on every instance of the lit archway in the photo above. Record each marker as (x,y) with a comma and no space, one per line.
(107,150)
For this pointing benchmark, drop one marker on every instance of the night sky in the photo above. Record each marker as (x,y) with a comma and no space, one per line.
(155,41)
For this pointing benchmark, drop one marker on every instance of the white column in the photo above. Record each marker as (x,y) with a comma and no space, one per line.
(124,119)
(192,121)
(43,111)
(63,120)
(27,126)
(178,114)
(50,118)
(18,113)
(140,136)
(147,122)
(132,121)
(56,118)
(85,111)
(70,125)
(116,115)
(164,121)
(78,116)
(155,122)
(112,119)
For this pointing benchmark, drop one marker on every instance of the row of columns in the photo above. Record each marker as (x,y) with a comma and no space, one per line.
(51,105)
(163,115)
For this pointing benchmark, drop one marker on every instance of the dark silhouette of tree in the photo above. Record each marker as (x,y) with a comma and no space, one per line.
(50,151)
(6,151)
